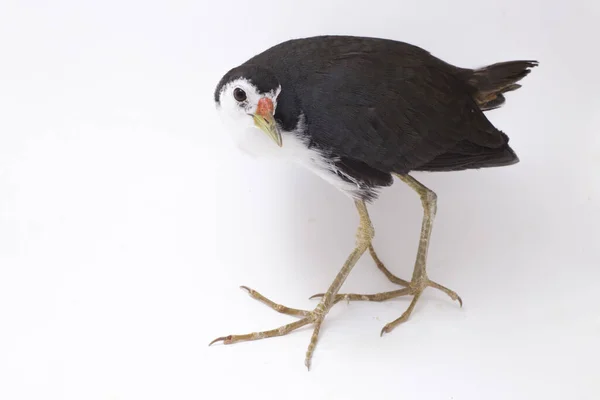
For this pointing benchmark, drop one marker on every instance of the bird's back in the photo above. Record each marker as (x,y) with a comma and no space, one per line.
(386,106)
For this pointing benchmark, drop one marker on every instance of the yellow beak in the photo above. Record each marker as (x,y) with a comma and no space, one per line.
(264,119)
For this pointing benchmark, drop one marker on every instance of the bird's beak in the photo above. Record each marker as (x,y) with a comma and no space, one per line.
(263,119)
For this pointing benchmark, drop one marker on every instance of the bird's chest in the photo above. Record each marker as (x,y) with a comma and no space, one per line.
(295,149)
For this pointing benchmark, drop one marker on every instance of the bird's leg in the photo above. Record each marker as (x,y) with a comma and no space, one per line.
(364,236)
(399,281)
(419,280)
(381,266)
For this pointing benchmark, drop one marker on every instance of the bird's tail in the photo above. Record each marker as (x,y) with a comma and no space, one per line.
(491,82)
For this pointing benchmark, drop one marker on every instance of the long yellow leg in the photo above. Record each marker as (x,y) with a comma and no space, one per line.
(419,280)
(364,236)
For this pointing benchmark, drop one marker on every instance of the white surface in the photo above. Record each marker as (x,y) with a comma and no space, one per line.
(128,221)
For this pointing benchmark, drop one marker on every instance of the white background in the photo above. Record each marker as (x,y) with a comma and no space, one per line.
(128,220)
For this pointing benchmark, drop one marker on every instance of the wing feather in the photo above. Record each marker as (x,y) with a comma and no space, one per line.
(391,115)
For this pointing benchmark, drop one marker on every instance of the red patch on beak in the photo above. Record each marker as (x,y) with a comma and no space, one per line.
(265,107)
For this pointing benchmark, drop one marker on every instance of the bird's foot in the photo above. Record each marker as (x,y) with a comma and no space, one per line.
(414,288)
(314,317)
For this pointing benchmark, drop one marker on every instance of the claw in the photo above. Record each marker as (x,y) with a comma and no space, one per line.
(452,295)
(314,296)
(224,339)
(246,288)
(384,330)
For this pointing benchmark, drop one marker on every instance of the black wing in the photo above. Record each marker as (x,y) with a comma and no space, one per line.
(395,110)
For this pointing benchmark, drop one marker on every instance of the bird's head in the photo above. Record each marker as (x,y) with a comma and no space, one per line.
(246,98)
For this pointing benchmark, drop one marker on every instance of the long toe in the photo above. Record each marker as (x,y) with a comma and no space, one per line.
(452,294)
(281,331)
(275,306)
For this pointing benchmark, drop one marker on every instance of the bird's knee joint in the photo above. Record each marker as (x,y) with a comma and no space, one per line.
(429,199)
(365,235)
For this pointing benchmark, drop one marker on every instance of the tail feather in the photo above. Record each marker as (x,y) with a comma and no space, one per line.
(491,82)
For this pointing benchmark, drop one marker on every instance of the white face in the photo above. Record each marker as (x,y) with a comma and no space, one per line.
(238,103)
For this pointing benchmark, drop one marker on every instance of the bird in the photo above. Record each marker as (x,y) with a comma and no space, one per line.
(359,112)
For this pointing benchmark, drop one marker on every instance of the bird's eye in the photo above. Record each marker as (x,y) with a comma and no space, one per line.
(239,94)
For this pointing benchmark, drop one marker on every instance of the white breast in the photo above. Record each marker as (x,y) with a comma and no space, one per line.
(255,142)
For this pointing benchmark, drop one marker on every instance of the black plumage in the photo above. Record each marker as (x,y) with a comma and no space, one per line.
(378,107)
